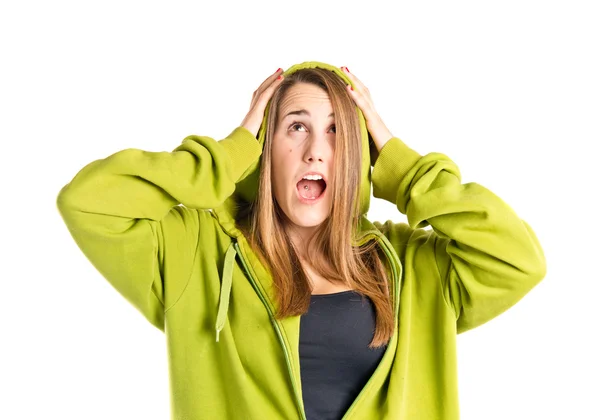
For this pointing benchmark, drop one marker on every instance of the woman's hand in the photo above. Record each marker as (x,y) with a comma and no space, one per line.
(260,98)
(361,95)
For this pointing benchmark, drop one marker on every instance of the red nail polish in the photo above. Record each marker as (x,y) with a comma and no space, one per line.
(278,70)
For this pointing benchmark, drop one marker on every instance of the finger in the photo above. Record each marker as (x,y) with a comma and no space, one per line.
(363,101)
(358,84)
(352,77)
(266,94)
(268,81)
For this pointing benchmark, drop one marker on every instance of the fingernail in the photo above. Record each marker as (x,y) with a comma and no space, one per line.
(279,77)
(279,69)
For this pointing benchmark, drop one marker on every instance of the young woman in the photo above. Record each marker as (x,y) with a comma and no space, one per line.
(278,298)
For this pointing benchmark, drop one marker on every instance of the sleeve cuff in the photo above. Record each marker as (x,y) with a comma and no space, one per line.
(243,150)
(393,163)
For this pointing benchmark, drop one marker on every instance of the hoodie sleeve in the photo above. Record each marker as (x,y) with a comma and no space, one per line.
(486,256)
(123,212)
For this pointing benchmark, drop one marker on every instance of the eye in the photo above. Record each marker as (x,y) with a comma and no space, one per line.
(295,124)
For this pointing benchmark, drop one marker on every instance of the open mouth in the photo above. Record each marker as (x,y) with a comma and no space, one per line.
(311,189)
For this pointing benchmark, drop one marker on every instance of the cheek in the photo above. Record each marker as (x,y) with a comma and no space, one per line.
(285,162)
(279,175)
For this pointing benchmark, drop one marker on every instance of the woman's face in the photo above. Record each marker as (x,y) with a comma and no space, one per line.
(304,142)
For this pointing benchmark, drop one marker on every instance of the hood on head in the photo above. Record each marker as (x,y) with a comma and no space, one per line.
(247,188)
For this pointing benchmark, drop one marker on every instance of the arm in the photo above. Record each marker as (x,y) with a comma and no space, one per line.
(123,213)
(487,257)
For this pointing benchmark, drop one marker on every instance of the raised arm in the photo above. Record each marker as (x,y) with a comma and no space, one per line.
(123,212)
(487,257)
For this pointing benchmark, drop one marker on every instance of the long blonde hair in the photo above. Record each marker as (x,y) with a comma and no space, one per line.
(333,257)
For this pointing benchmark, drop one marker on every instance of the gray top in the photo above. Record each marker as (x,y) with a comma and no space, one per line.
(335,361)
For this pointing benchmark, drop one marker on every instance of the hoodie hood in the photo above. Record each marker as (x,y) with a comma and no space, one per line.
(247,187)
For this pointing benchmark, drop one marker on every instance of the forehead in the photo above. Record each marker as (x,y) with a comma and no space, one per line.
(305,96)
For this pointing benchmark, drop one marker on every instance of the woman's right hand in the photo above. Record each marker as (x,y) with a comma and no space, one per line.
(260,98)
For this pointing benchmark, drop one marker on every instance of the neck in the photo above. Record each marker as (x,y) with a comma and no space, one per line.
(300,237)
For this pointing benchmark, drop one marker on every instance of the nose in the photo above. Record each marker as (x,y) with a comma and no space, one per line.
(317,149)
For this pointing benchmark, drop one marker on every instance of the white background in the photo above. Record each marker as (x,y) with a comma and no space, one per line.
(508,90)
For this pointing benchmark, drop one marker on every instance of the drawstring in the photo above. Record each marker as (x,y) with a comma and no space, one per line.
(225,288)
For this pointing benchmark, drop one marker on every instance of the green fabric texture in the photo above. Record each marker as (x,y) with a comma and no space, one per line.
(159,227)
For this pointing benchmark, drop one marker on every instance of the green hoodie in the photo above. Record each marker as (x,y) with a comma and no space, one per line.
(191,273)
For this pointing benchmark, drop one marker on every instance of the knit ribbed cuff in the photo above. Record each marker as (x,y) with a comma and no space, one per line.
(393,163)
(243,149)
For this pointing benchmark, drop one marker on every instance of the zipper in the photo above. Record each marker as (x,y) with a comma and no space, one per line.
(395,275)
(279,334)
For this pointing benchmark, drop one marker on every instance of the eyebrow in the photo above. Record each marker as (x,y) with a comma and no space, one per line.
(303,112)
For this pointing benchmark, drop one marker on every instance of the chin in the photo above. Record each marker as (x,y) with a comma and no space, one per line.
(307,220)
(307,223)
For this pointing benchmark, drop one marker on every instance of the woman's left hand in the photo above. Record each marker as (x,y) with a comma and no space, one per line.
(361,95)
